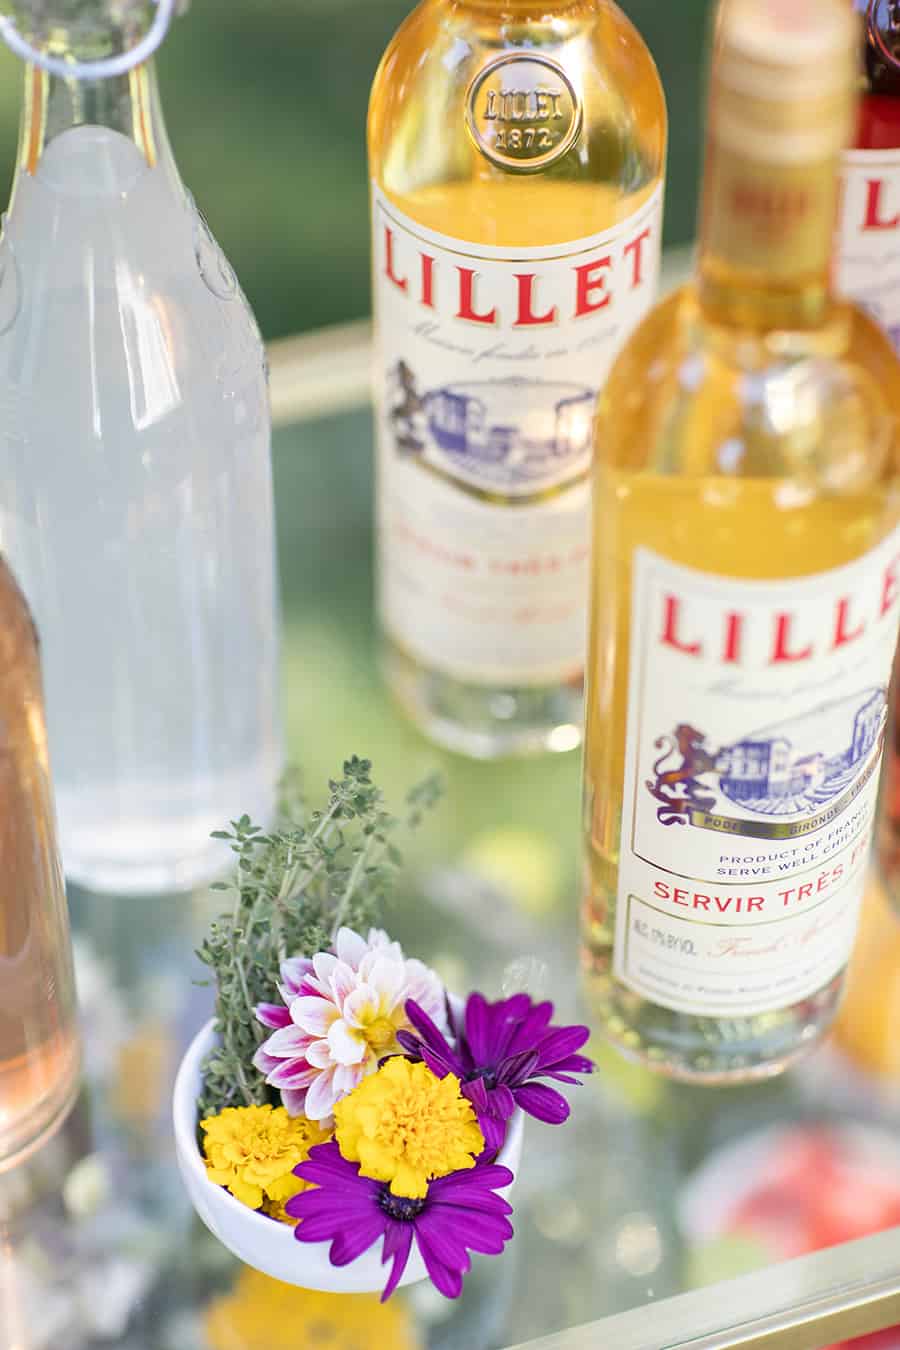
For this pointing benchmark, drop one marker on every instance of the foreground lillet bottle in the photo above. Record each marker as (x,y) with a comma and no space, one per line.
(39,1046)
(135,477)
(745,591)
(516,152)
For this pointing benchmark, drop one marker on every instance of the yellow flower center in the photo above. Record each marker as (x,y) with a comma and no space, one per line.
(380,1033)
(405,1126)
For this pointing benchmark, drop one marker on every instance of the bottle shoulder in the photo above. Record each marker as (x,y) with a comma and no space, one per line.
(687,397)
(424,153)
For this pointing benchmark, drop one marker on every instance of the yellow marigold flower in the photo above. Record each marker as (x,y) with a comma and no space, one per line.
(262,1314)
(405,1125)
(252,1151)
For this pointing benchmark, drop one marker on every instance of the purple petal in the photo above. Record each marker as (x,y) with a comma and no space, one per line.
(356,1239)
(431,1038)
(439,1062)
(477,1093)
(560,1042)
(320,1227)
(274,1015)
(518,1068)
(446,1280)
(481,1231)
(478,1024)
(397,1243)
(530,1026)
(487,1177)
(445,1235)
(293,972)
(494,1132)
(544,1103)
(503,1102)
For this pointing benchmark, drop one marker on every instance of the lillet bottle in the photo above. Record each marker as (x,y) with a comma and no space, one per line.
(745,590)
(516,153)
(135,475)
(868,270)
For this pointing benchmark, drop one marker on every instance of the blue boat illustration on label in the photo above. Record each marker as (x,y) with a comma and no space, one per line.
(516,434)
(792,768)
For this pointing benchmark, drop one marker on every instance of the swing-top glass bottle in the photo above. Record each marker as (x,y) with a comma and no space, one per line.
(135,477)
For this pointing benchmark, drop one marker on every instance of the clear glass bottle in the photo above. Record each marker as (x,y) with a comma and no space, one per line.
(135,475)
(745,591)
(516,152)
(39,1046)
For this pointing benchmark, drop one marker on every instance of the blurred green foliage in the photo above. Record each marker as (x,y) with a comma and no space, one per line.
(266,106)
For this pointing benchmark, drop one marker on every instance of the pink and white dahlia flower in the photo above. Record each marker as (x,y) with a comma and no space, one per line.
(341,1014)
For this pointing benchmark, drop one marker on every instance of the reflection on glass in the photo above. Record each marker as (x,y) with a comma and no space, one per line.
(39,1055)
(260,1313)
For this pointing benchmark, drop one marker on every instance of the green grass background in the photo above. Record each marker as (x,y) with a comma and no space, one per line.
(266,107)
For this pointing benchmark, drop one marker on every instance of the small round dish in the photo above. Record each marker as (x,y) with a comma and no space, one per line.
(264,1243)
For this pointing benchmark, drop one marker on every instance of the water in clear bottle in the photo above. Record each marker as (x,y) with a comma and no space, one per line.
(136,500)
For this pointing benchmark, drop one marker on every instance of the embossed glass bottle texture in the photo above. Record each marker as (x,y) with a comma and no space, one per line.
(39,1045)
(745,591)
(135,477)
(516,154)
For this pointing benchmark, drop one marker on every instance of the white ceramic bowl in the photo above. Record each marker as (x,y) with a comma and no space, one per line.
(262,1242)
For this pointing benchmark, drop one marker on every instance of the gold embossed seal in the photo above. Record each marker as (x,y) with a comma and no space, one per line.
(522,111)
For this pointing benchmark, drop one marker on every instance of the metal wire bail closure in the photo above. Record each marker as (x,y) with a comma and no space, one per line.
(93,70)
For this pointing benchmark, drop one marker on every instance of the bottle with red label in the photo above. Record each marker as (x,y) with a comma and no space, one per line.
(516,152)
(868,268)
(746,589)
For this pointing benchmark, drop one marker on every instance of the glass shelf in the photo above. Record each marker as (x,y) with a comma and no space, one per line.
(660,1214)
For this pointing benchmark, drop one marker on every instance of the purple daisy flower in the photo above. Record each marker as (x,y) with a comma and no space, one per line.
(461,1213)
(499,1050)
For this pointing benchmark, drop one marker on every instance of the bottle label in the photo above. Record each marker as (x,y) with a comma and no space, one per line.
(868,247)
(522,111)
(755,726)
(488,363)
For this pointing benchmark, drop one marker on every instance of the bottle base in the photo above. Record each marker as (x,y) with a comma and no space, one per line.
(708,1051)
(162,876)
(28,1136)
(484,722)
(723,1077)
(165,847)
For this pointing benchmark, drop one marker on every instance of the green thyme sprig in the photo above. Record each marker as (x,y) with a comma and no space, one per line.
(292,890)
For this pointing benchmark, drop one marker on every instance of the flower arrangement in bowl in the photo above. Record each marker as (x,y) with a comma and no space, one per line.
(344,1123)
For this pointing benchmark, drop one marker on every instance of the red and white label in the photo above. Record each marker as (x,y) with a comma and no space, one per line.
(868,244)
(755,728)
(488,363)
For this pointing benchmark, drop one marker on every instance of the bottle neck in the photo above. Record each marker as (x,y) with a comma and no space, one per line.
(84,30)
(766,235)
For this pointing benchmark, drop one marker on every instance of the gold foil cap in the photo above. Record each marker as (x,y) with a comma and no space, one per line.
(785,76)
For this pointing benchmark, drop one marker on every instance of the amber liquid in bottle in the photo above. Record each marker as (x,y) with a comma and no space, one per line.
(746,440)
(507,141)
(871,231)
(39,1046)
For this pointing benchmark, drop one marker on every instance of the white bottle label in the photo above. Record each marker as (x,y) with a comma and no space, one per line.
(488,365)
(755,726)
(868,245)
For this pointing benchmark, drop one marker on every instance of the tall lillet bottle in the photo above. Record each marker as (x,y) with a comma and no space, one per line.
(135,477)
(745,590)
(868,270)
(516,153)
